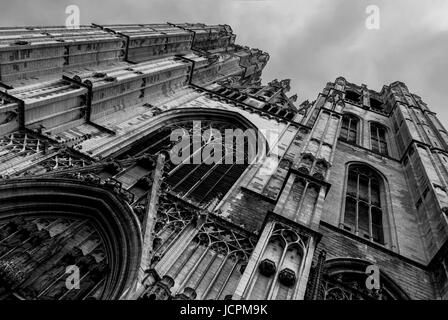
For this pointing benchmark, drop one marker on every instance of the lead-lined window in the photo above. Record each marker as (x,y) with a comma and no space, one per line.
(363,206)
(349,129)
(378,138)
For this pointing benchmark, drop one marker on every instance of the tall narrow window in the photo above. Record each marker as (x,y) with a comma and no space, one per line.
(378,138)
(363,205)
(349,130)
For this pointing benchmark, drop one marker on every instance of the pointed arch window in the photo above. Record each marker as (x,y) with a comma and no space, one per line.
(364,203)
(378,138)
(204,177)
(349,129)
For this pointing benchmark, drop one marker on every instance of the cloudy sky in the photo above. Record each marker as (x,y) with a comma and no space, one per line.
(310,42)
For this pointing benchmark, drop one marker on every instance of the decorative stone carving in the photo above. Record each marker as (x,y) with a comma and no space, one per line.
(161,290)
(145,182)
(10,273)
(188,294)
(113,167)
(318,176)
(304,170)
(267,267)
(147,161)
(287,277)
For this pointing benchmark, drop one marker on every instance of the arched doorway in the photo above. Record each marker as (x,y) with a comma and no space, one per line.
(54,228)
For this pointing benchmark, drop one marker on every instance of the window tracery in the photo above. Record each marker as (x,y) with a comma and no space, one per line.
(349,129)
(378,138)
(364,205)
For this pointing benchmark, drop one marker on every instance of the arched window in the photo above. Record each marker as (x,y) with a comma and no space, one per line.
(378,138)
(349,130)
(204,177)
(364,203)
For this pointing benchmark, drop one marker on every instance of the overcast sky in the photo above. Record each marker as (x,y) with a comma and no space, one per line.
(309,42)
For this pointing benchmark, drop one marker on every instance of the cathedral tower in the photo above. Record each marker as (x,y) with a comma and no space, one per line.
(341,198)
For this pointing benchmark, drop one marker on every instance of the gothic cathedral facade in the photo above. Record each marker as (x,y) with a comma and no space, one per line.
(348,201)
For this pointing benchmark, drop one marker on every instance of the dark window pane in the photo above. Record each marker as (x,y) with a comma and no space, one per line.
(375,104)
(383,147)
(375,146)
(364,188)
(344,133)
(363,218)
(352,188)
(353,96)
(349,128)
(377,225)
(353,123)
(377,216)
(375,192)
(378,139)
(352,136)
(363,203)
(350,211)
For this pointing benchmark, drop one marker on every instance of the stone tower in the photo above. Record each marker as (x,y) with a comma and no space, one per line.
(346,200)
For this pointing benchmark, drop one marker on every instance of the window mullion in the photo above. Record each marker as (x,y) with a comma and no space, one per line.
(357,204)
(351,126)
(378,137)
(383,141)
(379,140)
(370,210)
(348,130)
